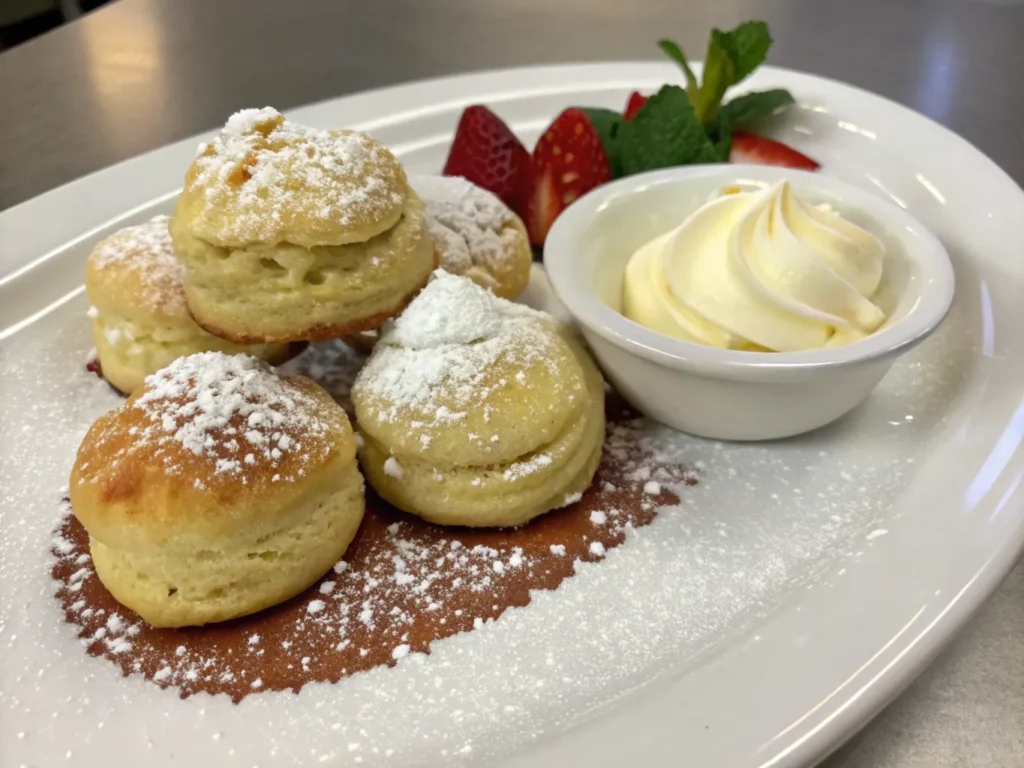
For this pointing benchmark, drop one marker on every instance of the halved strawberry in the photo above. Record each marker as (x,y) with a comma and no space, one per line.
(568,162)
(487,153)
(636,100)
(751,148)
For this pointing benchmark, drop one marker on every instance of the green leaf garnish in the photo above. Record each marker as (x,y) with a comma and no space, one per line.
(747,47)
(674,52)
(665,132)
(732,55)
(753,106)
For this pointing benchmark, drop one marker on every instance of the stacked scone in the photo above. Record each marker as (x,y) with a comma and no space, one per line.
(477,411)
(221,486)
(287,232)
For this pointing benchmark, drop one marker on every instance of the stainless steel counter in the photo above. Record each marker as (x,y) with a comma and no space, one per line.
(142,73)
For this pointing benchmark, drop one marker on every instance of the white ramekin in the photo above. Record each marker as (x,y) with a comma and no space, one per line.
(727,394)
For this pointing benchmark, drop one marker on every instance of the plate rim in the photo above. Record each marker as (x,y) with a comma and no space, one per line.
(915,652)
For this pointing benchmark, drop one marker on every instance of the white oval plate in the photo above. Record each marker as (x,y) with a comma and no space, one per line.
(795,592)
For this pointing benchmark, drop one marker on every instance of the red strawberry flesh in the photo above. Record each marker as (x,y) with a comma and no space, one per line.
(568,161)
(487,153)
(751,148)
(636,100)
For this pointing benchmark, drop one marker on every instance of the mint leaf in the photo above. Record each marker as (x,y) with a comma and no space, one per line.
(674,52)
(753,106)
(665,132)
(747,47)
(606,122)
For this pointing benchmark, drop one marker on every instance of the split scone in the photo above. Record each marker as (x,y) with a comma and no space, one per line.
(475,234)
(290,233)
(477,411)
(217,490)
(140,322)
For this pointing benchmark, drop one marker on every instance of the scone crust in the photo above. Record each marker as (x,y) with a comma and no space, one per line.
(238,575)
(143,476)
(140,319)
(475,234)
(287,292)
(219,489)
(134,274)
(264,179)
(478,412)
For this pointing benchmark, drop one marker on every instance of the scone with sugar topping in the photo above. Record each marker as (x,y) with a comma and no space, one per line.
(140,322)
(217,490)
(475,234)
(476,411)
(292,233)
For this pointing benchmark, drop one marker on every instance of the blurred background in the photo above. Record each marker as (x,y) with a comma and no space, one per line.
(21,20)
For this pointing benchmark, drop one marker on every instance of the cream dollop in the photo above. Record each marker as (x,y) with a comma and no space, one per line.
(758,270)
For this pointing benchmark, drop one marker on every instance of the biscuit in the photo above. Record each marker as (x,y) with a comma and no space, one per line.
(475,234)
(290,233)
(217,490)
(140,321)
(476,411)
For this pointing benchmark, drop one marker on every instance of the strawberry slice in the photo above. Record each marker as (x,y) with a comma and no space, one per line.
(487,153)
(568,162)
(636,100)
(751,148)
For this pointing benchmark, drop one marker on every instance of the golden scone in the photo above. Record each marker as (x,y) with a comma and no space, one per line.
(217,490)
(290,233)
(475,234)
(140,322)
(476,411)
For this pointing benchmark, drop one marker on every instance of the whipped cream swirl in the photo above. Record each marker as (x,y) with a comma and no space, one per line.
(758,270)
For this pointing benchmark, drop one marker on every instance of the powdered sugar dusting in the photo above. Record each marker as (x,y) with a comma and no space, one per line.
(147,250)
(470,225)
(765,524)
(404,585)
(262,174)
(233,411)
(433,357)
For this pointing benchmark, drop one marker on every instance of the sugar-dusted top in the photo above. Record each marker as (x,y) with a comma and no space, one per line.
(264,179)
(212,419)
(449,333)
(471,225)
(490,374)
(142,254)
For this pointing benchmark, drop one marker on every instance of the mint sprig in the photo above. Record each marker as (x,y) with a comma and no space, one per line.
(732,55)
(681,127)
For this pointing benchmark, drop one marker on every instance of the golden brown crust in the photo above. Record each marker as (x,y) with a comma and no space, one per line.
(177,459)
(266,180)
(134,274)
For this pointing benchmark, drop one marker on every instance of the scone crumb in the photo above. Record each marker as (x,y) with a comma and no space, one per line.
(393,469)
